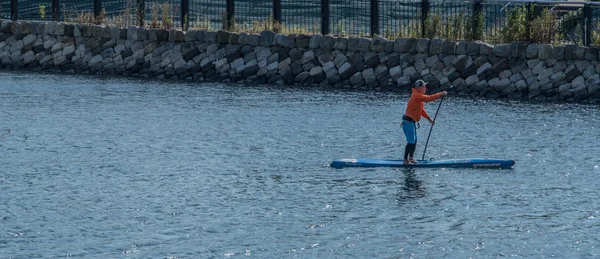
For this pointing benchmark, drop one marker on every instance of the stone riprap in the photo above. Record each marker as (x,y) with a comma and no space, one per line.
(512,70)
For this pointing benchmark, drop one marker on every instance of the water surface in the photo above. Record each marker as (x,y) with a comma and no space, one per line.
(123,168)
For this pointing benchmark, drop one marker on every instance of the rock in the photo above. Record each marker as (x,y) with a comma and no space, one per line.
(341,44)
(410,71)
(254,40)
(485,49)
(423,45)
(267,38)
(326,42)
(396,72)
(591,54)
(571,72)
(588,72)
(578,53)
(557,77)
(345,70)
(582,65)
(316,71)
(429,62)
(404,81)
(516,77)
(505,74)
(532,51)
(378,44)
(558,53)
(471,80)
(325,57)
(539,68)
(502,50)
(315,41)
(461,48)
(593,88)
(449,47)
(435,47)
(420,65)
(303,41)
(302,77)
(545,52)
(405,45)
(308,56)
(546,73)
(483,68)
(339,60)
(369,76)
(236,63)
(222,37)
(29,39)
(95,61)
(358,45)
(521,85)
(578,81)
(357,79)
(462,62)
(371,59)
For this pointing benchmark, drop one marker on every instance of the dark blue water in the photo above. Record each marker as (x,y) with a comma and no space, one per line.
(124,168)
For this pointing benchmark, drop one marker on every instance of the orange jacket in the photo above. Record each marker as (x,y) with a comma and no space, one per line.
(416,104)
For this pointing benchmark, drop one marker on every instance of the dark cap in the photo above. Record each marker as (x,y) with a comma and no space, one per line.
(419,83)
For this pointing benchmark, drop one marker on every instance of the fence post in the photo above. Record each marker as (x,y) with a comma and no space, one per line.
(586,28)
(374,18)
(276,14)
(324,17)
(229,23)
(97,8)
(185,14)
(424,14)
(55,10)
(529,17)
(14,10)
(477,10)
(141,12)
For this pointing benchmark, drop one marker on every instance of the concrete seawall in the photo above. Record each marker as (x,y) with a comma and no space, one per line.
(511,70)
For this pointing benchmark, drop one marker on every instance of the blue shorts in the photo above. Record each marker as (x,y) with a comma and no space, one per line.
(410,131)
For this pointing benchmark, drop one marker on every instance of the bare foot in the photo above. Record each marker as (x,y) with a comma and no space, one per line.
(407,162)
(412,160)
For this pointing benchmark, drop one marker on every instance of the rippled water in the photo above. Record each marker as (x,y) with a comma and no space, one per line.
(124,168)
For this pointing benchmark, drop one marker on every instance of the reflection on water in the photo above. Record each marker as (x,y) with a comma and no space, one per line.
(413,187)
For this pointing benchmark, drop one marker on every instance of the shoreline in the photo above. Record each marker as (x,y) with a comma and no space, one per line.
(504,71)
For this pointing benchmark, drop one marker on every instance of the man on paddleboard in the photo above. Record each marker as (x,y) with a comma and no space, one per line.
(414,110)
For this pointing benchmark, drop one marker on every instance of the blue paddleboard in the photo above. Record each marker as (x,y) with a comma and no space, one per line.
(450,163)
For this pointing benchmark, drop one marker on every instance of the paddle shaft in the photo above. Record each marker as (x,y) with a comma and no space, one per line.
(430,129)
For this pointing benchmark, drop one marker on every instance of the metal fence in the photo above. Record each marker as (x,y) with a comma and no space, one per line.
(574,22)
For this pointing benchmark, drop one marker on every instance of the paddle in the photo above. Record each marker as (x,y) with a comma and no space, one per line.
(430,129)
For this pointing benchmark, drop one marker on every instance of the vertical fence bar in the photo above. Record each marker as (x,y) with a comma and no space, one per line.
(141,12)
(374,18)
(230,22)
(424,14)
(529,18)
(477,10)
(97,8)
(55,10)
(276,14)
(185,14)
(325,17)
(586,24)
(14,10)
